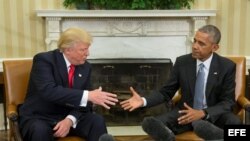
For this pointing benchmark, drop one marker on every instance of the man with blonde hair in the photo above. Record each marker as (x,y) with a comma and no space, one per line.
(59,97)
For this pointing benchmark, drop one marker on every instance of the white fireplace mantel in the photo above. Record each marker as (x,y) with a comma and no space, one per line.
(136,32)
(125,13)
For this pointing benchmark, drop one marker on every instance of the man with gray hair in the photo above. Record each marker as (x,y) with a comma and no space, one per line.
(59,97)
(207,84)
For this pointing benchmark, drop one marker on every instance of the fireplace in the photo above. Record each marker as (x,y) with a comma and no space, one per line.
(124,42)
(117,75)
(129,33)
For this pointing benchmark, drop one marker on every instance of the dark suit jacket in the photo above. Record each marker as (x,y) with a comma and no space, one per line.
(48,96)
(220,88)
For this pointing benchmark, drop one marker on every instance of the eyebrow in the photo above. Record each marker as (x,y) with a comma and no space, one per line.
(199,42)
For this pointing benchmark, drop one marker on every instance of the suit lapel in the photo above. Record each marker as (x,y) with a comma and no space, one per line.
(191,73)
(80,76)
(62,67)
(213,75)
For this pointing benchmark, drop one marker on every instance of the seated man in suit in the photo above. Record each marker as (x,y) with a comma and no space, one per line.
(207,84)
(59,97)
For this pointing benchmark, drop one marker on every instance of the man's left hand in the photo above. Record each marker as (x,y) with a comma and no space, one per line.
(62,128)
(189,115)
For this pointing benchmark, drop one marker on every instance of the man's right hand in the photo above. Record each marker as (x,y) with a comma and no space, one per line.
(132,103)
(102,98)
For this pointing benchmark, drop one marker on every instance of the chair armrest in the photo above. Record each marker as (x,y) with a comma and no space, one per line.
(247,115)
(12,115)
(245,104)
(176,98)
(16,131)
(12,112)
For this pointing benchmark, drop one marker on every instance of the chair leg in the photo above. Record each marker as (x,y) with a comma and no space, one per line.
(247,115)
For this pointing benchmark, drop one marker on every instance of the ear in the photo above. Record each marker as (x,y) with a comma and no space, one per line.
(215,47)
(66,50)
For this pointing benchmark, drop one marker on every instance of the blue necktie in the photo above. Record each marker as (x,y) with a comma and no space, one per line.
(199,88)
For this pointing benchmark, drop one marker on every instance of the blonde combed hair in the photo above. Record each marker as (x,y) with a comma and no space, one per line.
(72,36)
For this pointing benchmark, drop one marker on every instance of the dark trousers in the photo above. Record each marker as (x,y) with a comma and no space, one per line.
(170,120)
(90,127)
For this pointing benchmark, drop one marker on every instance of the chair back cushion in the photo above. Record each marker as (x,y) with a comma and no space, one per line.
(16,77)
(240,75)
(240,80)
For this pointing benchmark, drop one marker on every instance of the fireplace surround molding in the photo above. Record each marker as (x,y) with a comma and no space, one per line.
(129,33)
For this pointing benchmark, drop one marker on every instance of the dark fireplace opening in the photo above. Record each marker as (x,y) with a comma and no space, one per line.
(117,75)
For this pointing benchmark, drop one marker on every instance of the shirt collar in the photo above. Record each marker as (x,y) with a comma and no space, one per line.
(67,61)
(206,62)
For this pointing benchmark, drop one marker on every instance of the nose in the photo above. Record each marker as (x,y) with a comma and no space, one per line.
(194,45)
(87,52)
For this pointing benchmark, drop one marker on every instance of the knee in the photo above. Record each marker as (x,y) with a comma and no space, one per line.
(40,128)
(234,121)
(36,130)
(98,120)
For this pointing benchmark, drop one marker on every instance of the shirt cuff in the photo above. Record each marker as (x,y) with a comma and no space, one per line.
(73,119)
(84,99)
(144,102)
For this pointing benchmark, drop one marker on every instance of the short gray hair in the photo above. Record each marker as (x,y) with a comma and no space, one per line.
(213,31)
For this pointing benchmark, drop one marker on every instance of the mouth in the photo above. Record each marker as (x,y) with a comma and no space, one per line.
(195,53)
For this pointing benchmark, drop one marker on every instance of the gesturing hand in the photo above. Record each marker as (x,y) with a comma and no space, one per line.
(132,103)
(189,115)
(102,98)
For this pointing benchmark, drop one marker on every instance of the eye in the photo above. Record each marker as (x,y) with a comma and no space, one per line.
(201,44)
(193,41)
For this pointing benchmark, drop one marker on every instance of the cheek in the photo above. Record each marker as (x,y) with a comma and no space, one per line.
(205,52)
(79,53)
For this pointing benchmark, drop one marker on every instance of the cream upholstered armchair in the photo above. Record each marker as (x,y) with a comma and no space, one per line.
(243,104)
(16,77)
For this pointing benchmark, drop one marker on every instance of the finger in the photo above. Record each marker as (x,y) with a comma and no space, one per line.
(56,134)
(185,105)
(56,127)
(110,99)
(109,94)
(105,106)
(128,108)
(182,121)
(125,105)
(124,102)
(109,102)
(100,88)
(181,117)
(183,111)
(132,109)
(132,90)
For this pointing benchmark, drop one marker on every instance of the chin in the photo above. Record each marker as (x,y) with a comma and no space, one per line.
(82,62)
(195,56)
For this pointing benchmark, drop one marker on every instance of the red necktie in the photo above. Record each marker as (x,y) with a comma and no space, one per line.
(71,75)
